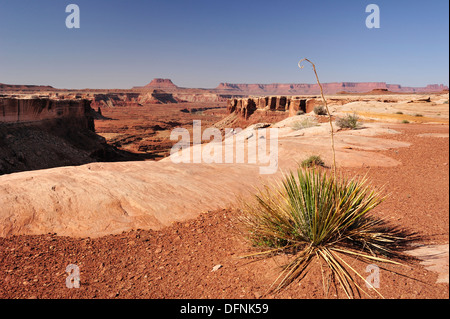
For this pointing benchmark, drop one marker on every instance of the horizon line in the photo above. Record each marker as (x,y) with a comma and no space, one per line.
(221,83)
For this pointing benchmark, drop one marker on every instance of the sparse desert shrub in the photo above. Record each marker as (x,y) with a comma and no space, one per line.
(418,115)
(316,215)
(304,123)
(399,112)
(405,122)
(312,161)
(350,121)
(300,112)
(320,110)
(446,102)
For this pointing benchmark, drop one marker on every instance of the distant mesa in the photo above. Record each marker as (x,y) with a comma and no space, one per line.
(380,91)
(372,92)
(22,87)
(328,88)
(158,84)
(161,83)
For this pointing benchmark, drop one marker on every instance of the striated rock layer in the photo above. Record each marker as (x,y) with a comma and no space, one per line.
(20,111)
(245,107)
(43,133)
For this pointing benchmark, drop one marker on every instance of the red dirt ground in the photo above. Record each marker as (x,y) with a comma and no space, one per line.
(177,261)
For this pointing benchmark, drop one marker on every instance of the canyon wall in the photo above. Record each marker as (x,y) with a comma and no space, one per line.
(32,110)
(38,133)
(245,107)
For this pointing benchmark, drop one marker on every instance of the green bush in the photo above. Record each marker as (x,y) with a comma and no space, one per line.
(350,121)
(405,122)
(320,110)
(313,160)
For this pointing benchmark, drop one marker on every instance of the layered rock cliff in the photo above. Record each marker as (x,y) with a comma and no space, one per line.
(245,107)
(43,133)
(34,110)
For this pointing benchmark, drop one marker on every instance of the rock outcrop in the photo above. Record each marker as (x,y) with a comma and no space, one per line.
(44,133)
(32,110)
(245,107)
(157,97)
(108,198)
(112,99)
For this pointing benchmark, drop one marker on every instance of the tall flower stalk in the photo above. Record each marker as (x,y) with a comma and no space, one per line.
(328,111)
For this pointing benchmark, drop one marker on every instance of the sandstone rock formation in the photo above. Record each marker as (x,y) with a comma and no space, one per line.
(22,111)
(107,198)
(158,83)
(245,107)
(112,99)
(42,133)
(157,97)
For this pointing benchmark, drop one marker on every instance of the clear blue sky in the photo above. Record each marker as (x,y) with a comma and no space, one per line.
(199,43)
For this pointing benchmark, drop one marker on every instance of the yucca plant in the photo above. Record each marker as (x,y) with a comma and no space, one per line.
(317,215)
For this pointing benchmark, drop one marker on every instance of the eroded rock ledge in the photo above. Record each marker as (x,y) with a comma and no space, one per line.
(38,133)
(25,111)
(292,104)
